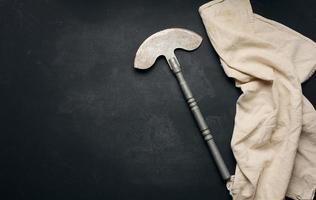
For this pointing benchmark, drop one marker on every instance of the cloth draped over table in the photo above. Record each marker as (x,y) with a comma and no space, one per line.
(274,138)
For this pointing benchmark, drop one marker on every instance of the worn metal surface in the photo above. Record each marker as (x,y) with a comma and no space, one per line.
(164,43)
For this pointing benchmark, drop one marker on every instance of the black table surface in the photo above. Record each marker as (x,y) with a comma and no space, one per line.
(78,122)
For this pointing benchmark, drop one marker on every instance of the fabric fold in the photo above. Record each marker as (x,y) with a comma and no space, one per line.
(275,125)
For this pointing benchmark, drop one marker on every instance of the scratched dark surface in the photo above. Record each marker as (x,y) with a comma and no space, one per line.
(78,122)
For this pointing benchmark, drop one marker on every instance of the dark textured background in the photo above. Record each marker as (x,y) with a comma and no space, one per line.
(78,122)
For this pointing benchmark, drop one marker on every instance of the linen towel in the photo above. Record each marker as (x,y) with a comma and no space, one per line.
(274,138)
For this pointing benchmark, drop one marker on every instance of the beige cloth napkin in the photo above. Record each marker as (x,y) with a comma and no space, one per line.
(274,139)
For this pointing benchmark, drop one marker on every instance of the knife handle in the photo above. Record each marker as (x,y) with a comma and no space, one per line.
(205,131)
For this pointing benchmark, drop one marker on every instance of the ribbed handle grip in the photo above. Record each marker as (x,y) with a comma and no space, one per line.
(203,126)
